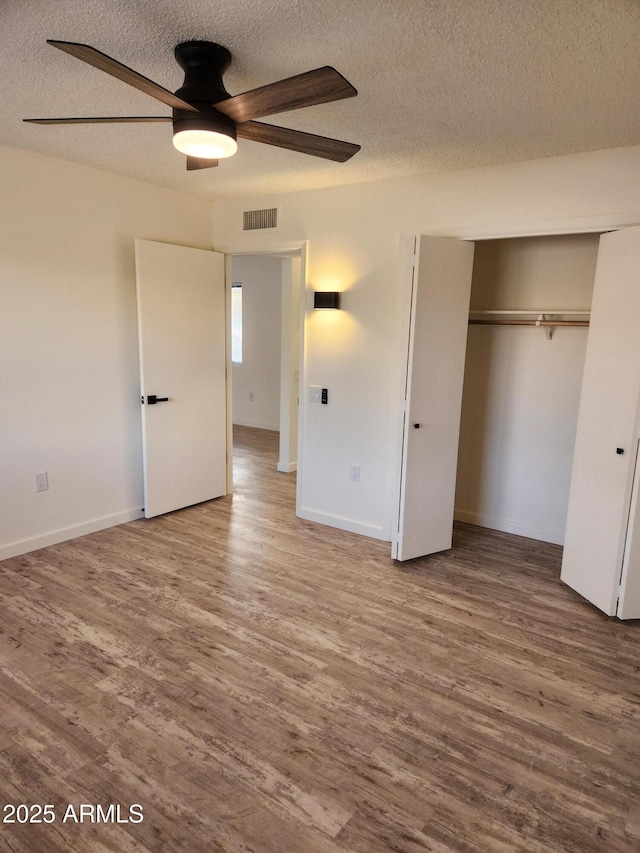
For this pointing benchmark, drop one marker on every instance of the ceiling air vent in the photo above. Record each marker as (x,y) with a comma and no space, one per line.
(254,220)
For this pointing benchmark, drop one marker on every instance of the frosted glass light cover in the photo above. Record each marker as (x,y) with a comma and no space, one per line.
(205,143)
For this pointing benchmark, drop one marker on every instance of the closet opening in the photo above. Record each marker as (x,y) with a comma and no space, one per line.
(526,345)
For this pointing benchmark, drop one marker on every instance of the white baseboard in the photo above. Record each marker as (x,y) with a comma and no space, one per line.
(248,422)
(287,467)
(23,546)
(506,525)
(371,530)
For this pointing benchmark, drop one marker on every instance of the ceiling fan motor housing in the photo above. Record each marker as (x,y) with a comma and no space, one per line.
(204,63)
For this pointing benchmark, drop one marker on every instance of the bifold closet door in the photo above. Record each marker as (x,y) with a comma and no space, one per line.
(607,433)
(441,289)
(629,599)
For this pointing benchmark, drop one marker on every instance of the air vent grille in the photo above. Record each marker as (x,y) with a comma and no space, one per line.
(254,220)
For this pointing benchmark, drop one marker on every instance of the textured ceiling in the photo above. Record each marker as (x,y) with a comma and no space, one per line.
(443,84)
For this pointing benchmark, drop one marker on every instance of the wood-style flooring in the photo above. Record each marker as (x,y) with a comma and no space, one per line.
(261,683)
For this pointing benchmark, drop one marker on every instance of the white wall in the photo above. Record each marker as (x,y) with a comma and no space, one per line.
(69,387)
(521,391)
(256,382)
(353,236)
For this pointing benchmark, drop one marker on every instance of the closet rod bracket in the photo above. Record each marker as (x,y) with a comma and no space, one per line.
(548,330)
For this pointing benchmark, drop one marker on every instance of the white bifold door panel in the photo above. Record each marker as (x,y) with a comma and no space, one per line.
(604,463)
(182,329)
(629,598)
(441,288)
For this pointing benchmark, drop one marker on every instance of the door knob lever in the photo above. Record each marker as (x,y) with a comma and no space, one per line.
(152,399)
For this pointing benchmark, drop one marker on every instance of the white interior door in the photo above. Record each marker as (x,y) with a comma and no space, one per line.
(607,433)
(182,336)
(439,315)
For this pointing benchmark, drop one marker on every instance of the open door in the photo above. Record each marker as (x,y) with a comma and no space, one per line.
(601,530)
(181,329)
(441,271)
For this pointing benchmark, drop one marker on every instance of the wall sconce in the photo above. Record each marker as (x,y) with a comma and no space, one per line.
(326,299)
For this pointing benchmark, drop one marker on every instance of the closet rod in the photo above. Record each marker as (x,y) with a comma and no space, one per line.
(500,322)
(537,311)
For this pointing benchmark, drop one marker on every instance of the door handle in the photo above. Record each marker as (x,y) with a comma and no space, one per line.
(152,399)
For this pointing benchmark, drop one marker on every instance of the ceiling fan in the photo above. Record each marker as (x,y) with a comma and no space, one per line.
(207,120)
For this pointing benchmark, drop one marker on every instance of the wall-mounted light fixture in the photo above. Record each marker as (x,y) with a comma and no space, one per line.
(326,299)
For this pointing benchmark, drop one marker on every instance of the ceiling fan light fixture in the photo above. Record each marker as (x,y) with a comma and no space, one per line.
(208,136)
(209,144)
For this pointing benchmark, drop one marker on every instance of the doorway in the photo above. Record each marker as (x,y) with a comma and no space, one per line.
(265,306)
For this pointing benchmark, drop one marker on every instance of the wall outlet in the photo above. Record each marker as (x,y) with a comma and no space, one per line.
(42,482)
(355,474)
(251,396)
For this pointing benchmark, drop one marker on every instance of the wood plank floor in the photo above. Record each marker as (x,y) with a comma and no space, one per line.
(261,683)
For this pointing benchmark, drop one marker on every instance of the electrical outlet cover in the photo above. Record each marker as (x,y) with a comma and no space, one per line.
(42,482)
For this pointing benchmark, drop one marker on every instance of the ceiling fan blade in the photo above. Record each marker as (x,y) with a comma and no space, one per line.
(303,90)
(194,163)
(117,69)
(296,140)
(99,120)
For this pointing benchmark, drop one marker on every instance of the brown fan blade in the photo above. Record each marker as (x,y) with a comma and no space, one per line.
(111,66)
(198,163)
(101,120)
(303,90)
(296,140)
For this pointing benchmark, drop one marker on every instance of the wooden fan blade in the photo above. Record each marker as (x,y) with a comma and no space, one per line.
(296,140)
(303,90)
(99,120)
(198,163)
(111,66)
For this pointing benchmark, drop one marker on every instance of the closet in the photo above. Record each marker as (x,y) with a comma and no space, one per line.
(541,390)
(522,382)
